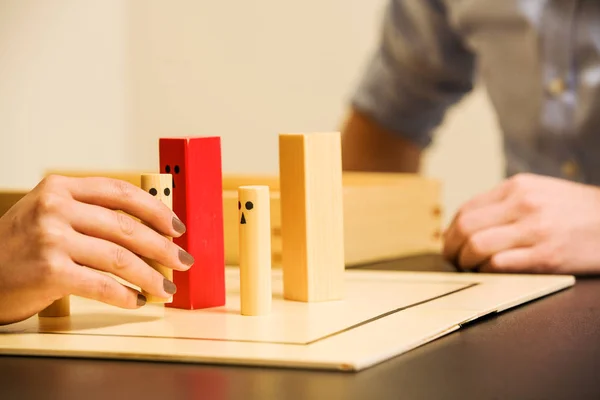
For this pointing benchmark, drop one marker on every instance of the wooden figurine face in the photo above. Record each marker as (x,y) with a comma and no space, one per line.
(254,207)
(172,161)
(245,207)
(160,192)
(160,186)
(175,170)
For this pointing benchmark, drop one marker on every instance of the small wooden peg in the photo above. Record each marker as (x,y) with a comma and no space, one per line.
(59,308)
(255,249)
(161,186)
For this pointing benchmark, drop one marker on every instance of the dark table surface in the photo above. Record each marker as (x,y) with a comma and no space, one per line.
(547,349)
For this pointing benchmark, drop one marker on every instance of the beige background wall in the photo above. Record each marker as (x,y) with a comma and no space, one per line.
(93,84)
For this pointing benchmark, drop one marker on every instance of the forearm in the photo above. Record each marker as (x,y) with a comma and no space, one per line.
(367,146)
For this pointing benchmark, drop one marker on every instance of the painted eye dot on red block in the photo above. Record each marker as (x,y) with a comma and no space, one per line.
(176,169)
(168,169)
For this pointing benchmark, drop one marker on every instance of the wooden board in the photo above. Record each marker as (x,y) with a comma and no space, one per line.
(384,314)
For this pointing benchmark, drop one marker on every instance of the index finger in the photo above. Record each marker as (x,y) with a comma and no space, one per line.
(116,194)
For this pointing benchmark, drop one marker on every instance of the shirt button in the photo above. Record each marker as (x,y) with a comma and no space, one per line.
(557,86)
(570,169)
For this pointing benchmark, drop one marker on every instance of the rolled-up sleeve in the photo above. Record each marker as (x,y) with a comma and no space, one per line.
(419,69)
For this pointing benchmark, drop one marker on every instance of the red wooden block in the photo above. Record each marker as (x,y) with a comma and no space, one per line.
(195,163)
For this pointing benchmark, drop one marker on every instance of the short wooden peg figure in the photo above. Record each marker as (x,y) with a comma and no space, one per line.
(255,250)
(59,308)
(160,186)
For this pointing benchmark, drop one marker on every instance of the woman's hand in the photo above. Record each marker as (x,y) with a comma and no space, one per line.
(60,238)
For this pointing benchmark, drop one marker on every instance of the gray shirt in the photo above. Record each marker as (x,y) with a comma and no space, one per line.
(539,61)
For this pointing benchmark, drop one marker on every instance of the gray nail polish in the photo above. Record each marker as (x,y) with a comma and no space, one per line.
(169,286)
(141,300)
(178,226)
(185,257)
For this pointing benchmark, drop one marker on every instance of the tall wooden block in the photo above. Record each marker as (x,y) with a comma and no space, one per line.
(160,186)
(195,163)
(312,231)
(254,213)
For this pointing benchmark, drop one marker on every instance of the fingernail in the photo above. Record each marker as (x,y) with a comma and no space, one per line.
(141,300)
(178,225)
(169,287)
(186,258)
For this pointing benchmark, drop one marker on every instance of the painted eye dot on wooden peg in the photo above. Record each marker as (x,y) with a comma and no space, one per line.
(239,205)
(167,192)
(153,191)
(249,205)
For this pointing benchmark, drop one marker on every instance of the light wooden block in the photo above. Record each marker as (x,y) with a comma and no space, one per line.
(59,308)
(255,250)
(384,314)
(388,217)
(312,216)
(160,186)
